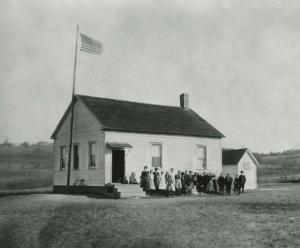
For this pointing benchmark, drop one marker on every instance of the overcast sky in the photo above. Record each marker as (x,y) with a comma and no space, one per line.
(239,61)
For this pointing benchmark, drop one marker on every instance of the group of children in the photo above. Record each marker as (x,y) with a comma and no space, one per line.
(155,182)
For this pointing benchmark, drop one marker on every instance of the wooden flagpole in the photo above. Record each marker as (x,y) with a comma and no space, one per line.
(72,114)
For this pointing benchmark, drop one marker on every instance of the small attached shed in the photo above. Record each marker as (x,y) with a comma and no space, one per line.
(236,160)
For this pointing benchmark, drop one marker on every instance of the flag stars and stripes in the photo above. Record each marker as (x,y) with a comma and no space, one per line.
(90,45)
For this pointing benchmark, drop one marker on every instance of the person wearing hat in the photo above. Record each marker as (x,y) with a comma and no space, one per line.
(242,181)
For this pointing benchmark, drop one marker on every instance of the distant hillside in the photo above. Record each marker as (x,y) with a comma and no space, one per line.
(287,159)
(285,152)
(283,166)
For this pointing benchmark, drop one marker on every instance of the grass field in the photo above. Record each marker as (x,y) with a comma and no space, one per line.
(279,168)
(26,167)
(25,178)
(269,217)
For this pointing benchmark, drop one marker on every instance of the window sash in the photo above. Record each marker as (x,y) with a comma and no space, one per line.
(156,150)
(202,162)
(202,157)
(201,152)
(76,156)
(92,161)
(156,162)
(62,157)
(92,155)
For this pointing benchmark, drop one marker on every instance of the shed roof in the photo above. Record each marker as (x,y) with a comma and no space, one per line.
(138,117)
(117,145)
(232,156)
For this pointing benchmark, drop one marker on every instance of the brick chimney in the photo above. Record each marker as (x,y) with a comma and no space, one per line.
(184,101)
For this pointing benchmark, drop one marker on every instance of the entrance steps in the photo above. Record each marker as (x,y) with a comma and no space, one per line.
(130,190)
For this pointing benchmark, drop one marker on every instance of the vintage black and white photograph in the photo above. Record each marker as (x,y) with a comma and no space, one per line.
(142,123)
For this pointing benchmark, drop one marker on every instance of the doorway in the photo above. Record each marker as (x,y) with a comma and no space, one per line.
(118,166)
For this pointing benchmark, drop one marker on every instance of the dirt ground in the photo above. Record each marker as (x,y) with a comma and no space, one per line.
(268,217)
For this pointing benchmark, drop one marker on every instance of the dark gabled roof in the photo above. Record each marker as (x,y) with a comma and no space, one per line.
(232,156)
(128,116)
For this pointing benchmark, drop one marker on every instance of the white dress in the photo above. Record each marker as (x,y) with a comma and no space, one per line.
(152,186)
(162,183)
(173,181)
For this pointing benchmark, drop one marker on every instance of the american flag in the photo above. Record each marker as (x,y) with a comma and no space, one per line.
(90,45)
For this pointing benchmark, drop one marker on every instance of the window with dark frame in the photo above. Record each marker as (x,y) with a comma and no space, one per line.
(76,157)
(92,155)
(62,157)
(156,155)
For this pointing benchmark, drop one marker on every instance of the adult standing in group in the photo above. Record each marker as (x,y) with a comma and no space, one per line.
(228,183)
(156,180)
(190,182)
(199,181)
(183,183)
(236,184)
(178,187)
(152,186)
(206,179)
(210,185)
(168,178)
(172,174)
(195,182)
(215,183)
(221,183)
(143,178)
(242,182)
(147,187)
(187,181)
(162,184)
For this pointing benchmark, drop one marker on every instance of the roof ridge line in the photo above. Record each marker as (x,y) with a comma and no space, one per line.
(106,98)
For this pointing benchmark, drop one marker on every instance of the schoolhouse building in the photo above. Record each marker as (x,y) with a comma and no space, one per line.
(113,138)
(237,160)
